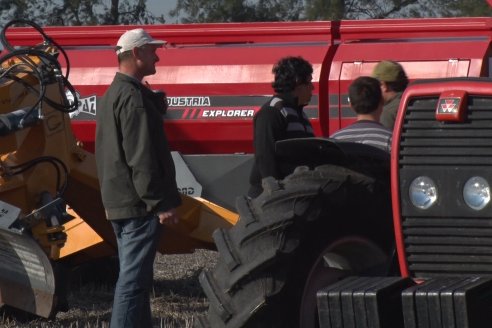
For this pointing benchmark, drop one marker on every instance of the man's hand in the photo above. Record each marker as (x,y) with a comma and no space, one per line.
(168,217)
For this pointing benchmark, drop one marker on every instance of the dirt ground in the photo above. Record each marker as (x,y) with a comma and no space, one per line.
(177,298)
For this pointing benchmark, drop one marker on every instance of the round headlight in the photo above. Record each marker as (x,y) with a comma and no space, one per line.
(476,193)
(423,192)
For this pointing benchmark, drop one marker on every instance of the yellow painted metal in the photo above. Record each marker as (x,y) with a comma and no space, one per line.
(41,233)
(198,220)
(206,217)
(80,236)
(89,234)
(52,136)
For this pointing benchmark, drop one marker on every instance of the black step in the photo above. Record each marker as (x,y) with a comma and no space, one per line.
(362,302)
(449,302)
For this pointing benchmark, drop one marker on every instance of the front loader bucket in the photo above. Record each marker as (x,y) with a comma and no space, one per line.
(27,280)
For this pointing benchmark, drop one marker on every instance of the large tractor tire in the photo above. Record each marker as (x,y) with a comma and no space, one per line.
(311,229)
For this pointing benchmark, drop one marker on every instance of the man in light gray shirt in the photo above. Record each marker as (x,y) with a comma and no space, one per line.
(366,100)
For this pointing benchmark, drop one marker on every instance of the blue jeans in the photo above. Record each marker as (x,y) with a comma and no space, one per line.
(137,240)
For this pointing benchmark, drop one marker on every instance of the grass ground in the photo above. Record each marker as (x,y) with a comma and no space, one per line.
(176,298)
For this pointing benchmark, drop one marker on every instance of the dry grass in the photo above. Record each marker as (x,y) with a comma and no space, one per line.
(177,298)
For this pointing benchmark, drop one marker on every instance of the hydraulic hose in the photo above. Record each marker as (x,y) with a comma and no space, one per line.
(49,69)
(16,120)
(46,39)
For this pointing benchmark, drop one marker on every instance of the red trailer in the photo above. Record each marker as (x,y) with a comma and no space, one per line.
(218,75)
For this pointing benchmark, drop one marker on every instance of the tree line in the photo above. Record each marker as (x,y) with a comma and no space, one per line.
(116,12)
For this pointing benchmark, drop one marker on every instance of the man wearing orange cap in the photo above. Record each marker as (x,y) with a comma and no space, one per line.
(136,174)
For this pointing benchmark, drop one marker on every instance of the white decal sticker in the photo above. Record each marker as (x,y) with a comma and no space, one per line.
(188,101)
(86,105)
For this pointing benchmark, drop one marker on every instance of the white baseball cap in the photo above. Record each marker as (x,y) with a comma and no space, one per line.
(135,38)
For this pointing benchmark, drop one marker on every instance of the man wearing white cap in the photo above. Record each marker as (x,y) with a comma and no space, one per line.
(136,174)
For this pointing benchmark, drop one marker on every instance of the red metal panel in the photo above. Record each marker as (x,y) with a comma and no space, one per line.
(415,28)
(426,48)
(235,60)
(180,34)
(418,90)
(201,61)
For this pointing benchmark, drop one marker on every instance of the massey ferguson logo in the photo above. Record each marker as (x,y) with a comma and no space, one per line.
(87,105)
(448,105)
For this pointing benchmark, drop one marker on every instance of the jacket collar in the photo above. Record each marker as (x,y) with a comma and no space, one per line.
(289,100)
(127,78)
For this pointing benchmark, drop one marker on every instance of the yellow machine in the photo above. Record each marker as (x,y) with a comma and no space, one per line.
(50,207)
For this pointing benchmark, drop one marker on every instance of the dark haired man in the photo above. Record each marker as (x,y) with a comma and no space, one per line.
(282,117)
(366,100)
(393,81)
(136,173)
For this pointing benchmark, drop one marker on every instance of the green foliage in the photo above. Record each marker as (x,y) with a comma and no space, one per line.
(79,12)
(102,12)
(200,11)
(470,8)
(324,9)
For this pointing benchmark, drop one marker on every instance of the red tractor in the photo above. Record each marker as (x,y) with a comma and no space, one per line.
(318,248)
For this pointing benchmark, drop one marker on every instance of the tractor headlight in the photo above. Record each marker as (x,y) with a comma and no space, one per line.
(476,193)
(423,192)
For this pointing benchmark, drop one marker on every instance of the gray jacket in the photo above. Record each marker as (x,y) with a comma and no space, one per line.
(135,168)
